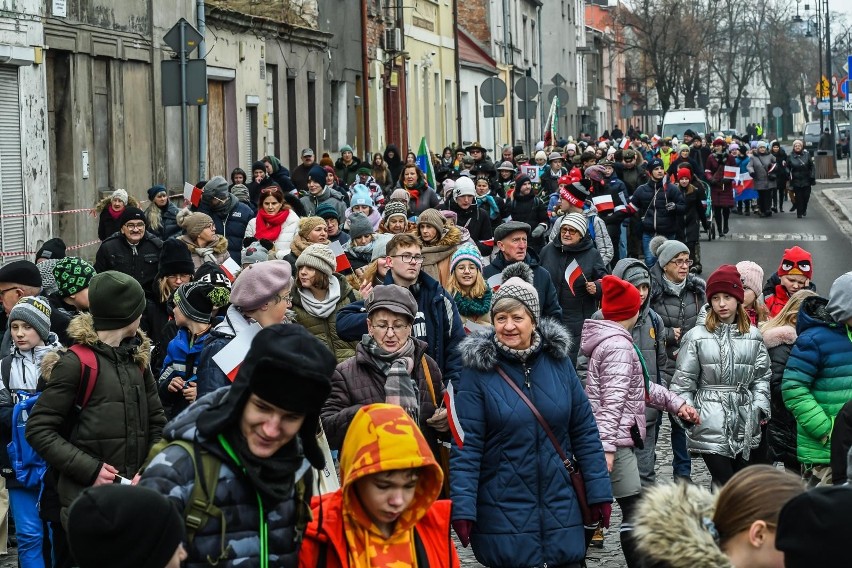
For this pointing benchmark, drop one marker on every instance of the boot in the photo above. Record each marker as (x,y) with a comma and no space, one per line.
(598,538)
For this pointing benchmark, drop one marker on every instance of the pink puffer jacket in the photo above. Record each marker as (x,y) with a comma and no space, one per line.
(615,385)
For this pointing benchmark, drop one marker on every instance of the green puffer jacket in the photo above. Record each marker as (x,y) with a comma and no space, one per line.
(119,425)
(326,329)
(818,379)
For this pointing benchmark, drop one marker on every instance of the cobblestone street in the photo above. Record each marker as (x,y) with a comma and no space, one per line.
(610,556)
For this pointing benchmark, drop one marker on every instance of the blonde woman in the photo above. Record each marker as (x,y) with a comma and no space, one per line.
(468,288)
(779,335)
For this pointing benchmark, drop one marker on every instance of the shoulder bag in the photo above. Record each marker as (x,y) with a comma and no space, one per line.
(574,472)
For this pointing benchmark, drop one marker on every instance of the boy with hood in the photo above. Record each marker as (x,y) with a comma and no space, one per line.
(386,513)
(260,436)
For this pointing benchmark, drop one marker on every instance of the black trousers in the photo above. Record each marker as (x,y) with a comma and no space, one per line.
(803,196)
(722,468)
(764,201)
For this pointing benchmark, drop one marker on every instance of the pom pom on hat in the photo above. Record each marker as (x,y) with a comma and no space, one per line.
(666,249)
(518,284)
(193,222)
(466,252)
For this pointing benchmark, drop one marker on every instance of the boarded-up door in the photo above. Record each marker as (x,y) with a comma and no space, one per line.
(216,156)
(12,235)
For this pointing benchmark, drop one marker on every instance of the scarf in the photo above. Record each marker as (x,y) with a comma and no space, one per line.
(113,213)
(208,253)
(414,192)
(269,226)
(676,289)
(493,209)
(274,478)
(321,309)
(368,547)
(363,252)
(400,387)
(473,306)
(520,354)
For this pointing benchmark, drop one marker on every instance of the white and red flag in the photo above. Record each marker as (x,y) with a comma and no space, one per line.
(230,268)
(452,418)
(343,264)
(731,172)
(192,194)
(572,273)
(234,353)
(603,203)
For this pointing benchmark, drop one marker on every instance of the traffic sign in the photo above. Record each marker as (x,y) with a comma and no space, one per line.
(563,98)
(745,102)
(823,105)
(494,111)
(526,109)
(526,88)
(191,37)
(558,80)
(847,105)
(777,112)
(823,88)
(844,89)
(492,90)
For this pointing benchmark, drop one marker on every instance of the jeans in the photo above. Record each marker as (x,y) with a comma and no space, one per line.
(681,462)
(28,526)
(646,458)
(650,259)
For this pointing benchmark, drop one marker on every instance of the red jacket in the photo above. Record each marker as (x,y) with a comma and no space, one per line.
(777,301)
(326,529)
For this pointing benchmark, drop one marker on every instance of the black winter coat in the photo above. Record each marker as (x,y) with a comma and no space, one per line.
(548,302)
(115,253)
(782,427)
(802,169)
(530,209)
(695,215)
(651,201)
(550,181)
(475,219)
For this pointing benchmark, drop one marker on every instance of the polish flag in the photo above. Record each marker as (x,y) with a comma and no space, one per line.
(230,268)
(473,327)
(234,353)
(603,203)
(625,143)
(343,264)
(191,194)
(572,273)
(731,172)
(495,281)
(452,418)
(488,243)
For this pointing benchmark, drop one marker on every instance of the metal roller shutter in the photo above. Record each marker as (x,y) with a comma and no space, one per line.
(12,231)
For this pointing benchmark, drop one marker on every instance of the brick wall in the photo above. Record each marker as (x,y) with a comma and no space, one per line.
(473,17)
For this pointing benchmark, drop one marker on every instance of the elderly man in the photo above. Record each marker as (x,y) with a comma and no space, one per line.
(133,250)
(512,239)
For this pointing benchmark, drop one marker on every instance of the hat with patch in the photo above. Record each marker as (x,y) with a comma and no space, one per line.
(73,274)
(254,252)
(35,311)
(52,249)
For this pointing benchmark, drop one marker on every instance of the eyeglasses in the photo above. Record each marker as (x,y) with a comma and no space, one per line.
(409,258)
(283,298)
(681,262)
(384,328)
(174,277)
(628,159)
(570,231)
(135,226)
(3,292)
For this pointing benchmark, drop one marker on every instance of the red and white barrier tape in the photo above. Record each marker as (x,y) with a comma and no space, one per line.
(17,215)
(73,247)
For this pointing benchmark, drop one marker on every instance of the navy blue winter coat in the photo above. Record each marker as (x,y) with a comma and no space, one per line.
(650,200)
(231,221)
(542,282)
(507,477)
(442,330)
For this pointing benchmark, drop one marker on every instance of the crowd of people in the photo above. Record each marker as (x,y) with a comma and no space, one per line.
(308,366)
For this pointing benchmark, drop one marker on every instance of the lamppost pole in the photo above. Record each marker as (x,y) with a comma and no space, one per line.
(830,94)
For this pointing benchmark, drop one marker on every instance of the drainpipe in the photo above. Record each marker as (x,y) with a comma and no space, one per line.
(365,82)
(202,109)
(458,72)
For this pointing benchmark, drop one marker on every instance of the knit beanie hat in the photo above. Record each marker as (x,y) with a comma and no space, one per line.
(817,519)
(132,214)
(400,194)
(52,249)
(464,186)
(22,272)
(621,299)
(540,155)
(633,271)
(308,224)
(574,192)
(395,299)
(752,277)
(123,526)
(361,196)
(120,194)
(175,258)
(73,274)
(116,300)
(840,298)
(193,222)
(518,284)
(241,192)
(666,249)
(260,282)
(796,261)
(466,252)
(212,273)
(216,187)
(726,280)
(327,211)
(433,218)
(48,282)
(35,311)
(450,216)
(684,173)
(195,300)
(156,190)
(576,221)
(320,257)
(254,252)
(317,174)
(359,225)
(395,208)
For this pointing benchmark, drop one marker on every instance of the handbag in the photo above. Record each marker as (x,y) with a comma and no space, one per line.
(574,472)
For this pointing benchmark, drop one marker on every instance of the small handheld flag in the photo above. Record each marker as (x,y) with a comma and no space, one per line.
(452,418)
(343,264)
(230,268)
(572,273)
(603,203)
(495,281)
(231,357)
(731,172)
(191,194)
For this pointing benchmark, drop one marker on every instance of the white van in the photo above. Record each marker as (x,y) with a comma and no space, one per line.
(676,122)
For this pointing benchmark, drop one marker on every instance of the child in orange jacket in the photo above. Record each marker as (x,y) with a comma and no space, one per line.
(386,512)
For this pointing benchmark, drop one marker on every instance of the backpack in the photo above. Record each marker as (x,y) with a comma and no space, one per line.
(29,467)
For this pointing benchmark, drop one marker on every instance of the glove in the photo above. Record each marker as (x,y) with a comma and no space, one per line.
(539,230)
(463,528)
(601,512)
(670,206)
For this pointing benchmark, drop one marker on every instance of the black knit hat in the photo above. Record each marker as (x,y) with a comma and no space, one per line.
(132,214)
(52,249)
(123,526)
(155,190)
(212,273)
(175,258)
(21,272)
(195,300)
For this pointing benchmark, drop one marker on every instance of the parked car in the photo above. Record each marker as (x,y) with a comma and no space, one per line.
(811,135)
(843,128)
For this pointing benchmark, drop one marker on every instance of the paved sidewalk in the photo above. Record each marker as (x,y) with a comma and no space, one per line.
(837,201)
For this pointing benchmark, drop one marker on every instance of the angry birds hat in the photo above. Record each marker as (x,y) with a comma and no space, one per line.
(796,261)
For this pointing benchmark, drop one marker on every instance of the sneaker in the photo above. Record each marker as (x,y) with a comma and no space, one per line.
(598,538)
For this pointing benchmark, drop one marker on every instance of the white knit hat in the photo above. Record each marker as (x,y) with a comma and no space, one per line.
(575,221)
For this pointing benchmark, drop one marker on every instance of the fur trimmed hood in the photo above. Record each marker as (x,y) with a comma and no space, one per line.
(783,335)
(479,351)
(451,238)
(670,528)
(82,330)
(104,203)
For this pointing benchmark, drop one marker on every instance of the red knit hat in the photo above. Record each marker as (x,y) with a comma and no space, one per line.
(684,173)
(796,260)
(726,280)
(620,299)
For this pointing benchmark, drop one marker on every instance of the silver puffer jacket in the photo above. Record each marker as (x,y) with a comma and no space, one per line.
(725,376)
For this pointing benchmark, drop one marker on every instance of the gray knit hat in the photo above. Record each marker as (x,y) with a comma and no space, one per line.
(665,250)
(434,218)
(633,271)
(518,284)
(380,246)
(255,252)
(359,225)
(320,257)
(35,311)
